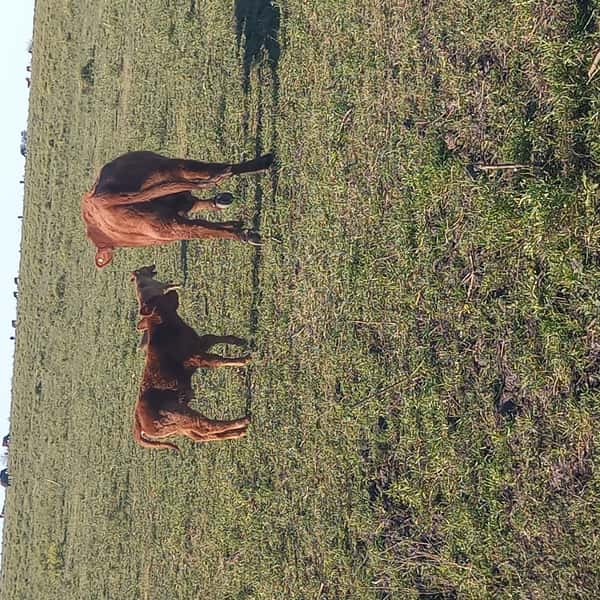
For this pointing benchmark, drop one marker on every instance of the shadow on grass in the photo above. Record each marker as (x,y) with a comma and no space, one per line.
(257,31)
(183,258)
(585,20)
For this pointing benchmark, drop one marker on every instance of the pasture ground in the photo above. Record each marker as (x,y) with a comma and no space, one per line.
(426,335)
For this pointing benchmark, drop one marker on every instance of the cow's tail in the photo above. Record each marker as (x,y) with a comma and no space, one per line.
(262,163)
(138,436)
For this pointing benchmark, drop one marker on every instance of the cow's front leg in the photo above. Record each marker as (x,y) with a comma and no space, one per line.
(218,202)
(186,229)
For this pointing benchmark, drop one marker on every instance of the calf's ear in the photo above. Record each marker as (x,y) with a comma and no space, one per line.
(103,256)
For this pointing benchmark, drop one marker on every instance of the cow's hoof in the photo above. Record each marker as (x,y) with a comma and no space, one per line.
(223,200)
(252,237)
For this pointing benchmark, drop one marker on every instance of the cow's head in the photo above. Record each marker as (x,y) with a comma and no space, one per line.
(103,256)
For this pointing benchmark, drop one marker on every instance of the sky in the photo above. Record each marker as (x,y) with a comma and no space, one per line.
(16,28)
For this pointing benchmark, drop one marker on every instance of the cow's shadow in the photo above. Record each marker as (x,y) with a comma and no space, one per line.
(183,258)
(257,32)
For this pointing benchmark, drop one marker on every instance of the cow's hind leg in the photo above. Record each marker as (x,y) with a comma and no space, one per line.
(153,176)
(201,174)
(194,173)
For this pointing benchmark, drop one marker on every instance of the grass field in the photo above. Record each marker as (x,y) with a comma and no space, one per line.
(426,334)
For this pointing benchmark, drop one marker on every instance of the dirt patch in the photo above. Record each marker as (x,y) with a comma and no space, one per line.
(571,473)
(586,375)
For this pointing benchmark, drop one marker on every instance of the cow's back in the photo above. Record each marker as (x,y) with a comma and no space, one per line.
(127,173)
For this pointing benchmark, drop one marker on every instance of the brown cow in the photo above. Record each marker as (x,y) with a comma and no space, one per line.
(142,199)
(173,354)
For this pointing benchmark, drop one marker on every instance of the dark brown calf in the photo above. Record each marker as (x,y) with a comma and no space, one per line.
(174,352)
(142,199)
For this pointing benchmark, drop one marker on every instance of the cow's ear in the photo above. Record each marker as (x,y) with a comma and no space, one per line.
(103,257)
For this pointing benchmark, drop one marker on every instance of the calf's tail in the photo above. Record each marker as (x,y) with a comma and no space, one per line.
(262,163)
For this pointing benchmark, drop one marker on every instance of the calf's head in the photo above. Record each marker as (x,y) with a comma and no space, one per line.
(149,271)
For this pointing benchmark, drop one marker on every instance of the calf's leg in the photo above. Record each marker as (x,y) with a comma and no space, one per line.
(203,426)
(230,434)
(206,342)
(207,360)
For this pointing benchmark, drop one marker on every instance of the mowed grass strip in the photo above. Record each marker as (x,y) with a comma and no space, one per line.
(425,331)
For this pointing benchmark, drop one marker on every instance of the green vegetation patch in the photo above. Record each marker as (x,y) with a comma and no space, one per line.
(424,318)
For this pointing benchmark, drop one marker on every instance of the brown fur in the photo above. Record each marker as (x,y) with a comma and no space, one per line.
(173,354)
(141,199)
